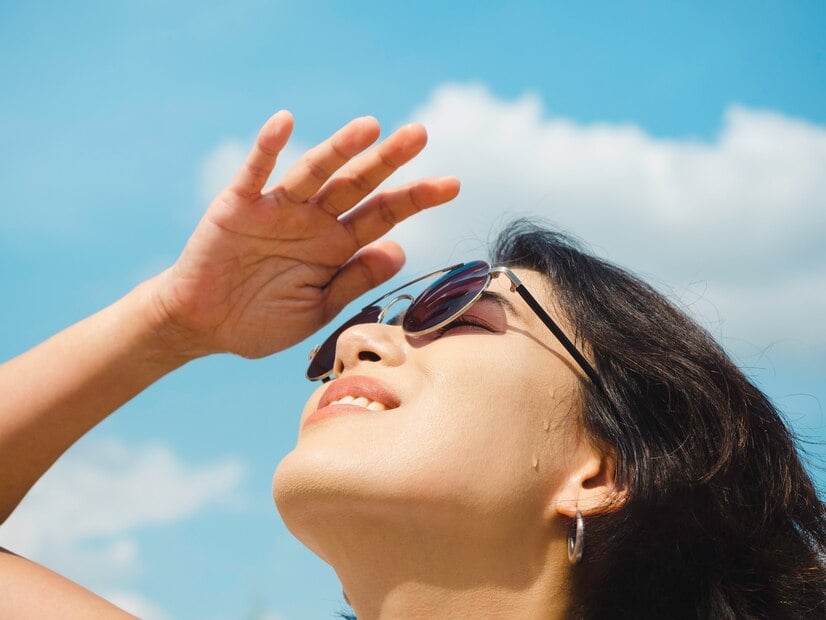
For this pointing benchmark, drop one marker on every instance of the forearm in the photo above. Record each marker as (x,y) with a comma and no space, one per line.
(51,395)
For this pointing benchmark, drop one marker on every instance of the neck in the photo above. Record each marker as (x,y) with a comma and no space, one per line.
(461,572)
(414,599)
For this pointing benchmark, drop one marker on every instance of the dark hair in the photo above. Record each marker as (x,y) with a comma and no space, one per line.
(720,518)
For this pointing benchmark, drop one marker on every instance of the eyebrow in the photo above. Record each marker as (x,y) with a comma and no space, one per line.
(502,301)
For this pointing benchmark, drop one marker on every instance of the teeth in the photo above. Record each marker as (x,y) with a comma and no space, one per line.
(361,401)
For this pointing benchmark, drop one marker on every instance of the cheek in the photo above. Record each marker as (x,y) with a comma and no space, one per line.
(486,427)
(312,401)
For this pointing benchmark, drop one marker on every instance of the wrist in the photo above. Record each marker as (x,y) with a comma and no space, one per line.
(165,340)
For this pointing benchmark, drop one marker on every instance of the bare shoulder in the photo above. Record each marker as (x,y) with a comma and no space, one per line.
(28,590)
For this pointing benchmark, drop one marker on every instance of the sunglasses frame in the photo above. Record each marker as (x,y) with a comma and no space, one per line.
(493,273)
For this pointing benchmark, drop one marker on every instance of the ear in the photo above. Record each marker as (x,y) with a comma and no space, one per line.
(590,485)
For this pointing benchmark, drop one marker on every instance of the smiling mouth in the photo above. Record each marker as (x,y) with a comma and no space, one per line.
(351,395)
(360,401)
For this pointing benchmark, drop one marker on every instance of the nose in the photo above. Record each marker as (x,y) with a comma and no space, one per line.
(370,342)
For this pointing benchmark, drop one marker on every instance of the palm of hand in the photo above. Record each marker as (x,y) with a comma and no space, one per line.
(263,271)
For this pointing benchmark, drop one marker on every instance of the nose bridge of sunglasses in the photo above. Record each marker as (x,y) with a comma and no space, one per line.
(403,297)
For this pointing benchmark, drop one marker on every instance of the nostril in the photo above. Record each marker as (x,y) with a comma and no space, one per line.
(369,356)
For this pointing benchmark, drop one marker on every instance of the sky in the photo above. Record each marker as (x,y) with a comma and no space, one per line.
(685,141)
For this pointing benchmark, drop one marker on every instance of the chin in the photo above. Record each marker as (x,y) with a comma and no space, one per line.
(302,479)
(321,494)
(299,488)
(317,482)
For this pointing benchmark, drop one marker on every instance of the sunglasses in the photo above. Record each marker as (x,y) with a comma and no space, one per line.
(442,302)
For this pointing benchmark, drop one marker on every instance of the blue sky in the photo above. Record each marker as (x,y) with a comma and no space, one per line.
(687,141)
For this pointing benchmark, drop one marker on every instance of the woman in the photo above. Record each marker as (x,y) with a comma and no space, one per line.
(672,479)
(544,440)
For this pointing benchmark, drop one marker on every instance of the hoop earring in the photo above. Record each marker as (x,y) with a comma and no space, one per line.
(576,540)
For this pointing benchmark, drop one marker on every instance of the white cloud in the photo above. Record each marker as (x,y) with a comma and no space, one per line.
(743,215)
(219,167)
(79,518)
(223,161)
(137,605)
(266,615)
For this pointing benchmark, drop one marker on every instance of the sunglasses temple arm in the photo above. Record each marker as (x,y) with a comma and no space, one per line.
(560,335)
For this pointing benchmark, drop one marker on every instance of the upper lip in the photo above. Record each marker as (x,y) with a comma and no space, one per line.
(359,385)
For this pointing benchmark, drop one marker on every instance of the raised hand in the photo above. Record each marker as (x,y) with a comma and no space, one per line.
(266,268)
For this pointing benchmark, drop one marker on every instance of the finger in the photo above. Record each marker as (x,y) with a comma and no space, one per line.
(380,213)
(259,164)
(364,174)
(318,164)
(368,268)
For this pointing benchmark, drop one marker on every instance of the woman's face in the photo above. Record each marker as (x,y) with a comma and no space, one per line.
(477,425)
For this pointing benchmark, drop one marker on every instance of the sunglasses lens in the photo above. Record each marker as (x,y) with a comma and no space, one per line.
(325,357)
(446,297)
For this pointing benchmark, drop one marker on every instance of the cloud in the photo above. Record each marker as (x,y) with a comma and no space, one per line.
(219,166)
(265,615)
(137,605)
(80,517)
(738,221)
(222,162)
